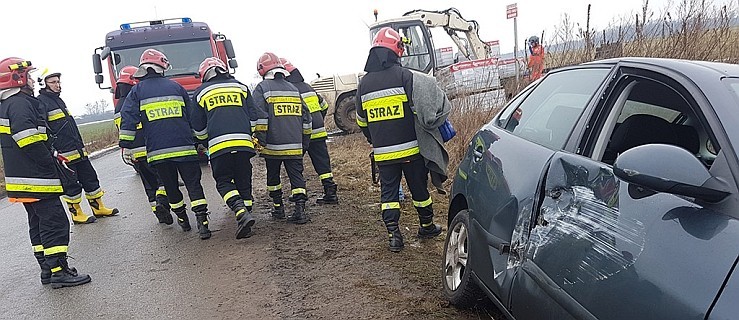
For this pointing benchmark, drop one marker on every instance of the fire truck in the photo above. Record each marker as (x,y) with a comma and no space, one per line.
(185,43)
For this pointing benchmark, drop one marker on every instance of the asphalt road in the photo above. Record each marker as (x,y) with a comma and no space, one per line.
(141,269)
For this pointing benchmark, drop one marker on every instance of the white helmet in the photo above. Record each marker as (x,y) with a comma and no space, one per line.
(45,73)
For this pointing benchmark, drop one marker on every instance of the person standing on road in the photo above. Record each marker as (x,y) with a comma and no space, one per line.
(222,113)
(31,174)
(66,139)
(283,129)
(162,106)
(136,155)
(385,113)
(317,150)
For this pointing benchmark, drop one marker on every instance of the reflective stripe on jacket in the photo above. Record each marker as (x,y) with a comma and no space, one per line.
(138,143)
(282,114)
(222,115)
(62,125)
(313,102)
(162,107)
(384,113)
(30,171)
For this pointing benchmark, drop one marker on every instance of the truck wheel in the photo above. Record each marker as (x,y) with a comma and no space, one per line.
(345,115)
(458,286)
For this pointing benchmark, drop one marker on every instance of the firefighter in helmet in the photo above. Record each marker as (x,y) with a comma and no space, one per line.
(385,113)
(317,150)
(161,106)
(223,109)
(32,174)
(283,128)
(536,58)
(136,154)
(68,141)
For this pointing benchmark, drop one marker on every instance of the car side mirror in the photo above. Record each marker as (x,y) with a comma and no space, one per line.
(668,169)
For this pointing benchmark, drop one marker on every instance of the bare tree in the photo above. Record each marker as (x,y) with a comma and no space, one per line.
(97,107)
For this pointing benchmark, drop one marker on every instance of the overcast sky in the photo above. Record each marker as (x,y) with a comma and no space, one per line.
(328,37)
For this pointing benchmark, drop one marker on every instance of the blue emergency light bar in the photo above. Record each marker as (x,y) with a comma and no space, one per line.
(129,26)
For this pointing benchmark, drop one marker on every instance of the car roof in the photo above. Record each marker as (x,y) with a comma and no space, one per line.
(687,67)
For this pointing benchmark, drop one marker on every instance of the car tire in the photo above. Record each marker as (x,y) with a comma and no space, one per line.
(458,286)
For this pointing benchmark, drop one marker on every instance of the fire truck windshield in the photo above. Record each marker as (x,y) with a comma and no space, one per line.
(184,57)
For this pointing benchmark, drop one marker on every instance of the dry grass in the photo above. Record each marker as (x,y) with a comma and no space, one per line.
(685,29)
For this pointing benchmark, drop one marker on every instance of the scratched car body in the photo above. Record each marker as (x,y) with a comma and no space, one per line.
(606,190)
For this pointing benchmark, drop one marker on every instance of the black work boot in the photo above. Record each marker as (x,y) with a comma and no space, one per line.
(299,215)
(45,270)
(427,229)
(64,276)
(182,219)
(396,238)
(329,195)
(278,211)
(202,218)
(244,221)
(163,214)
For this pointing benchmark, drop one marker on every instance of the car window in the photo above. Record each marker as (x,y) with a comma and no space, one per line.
(511,107)
(647,116)
(549,113)
(634,107)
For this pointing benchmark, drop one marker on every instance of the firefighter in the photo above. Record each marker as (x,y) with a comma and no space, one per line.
(283,129)
(386,117)
(161,106)
(317,150)
(66,139)
(136,155)
(536,58)
(31,175)
(222,113)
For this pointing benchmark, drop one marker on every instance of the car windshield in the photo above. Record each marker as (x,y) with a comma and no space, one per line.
(185,57)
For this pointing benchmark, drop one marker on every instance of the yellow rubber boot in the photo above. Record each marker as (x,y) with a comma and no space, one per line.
(99,209)
(79,217)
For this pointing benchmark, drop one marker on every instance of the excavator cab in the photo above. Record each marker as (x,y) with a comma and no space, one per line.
(419,54)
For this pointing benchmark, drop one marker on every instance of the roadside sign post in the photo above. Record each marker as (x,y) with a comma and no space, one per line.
(512,13)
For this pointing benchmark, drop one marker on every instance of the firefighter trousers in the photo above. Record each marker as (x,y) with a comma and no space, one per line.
(87,179)
(416,175)
(48,227)
(318,152)
(153,186)
(294,168)
(190,173)
(232,173)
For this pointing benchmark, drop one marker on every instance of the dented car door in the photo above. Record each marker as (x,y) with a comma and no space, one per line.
(596,251)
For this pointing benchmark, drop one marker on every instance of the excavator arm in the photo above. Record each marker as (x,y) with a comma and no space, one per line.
(452,22)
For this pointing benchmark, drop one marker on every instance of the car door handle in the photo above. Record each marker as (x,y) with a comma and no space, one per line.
(477,154)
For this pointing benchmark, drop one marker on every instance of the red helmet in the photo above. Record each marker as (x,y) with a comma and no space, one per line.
(154,57)
(126,75)
(287,64)
(210,64)
(389,38)
(267,62)
(14,72)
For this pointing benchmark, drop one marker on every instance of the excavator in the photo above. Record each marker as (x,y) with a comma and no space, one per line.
(420,55)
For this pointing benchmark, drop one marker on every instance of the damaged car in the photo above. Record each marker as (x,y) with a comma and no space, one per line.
(606,190)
